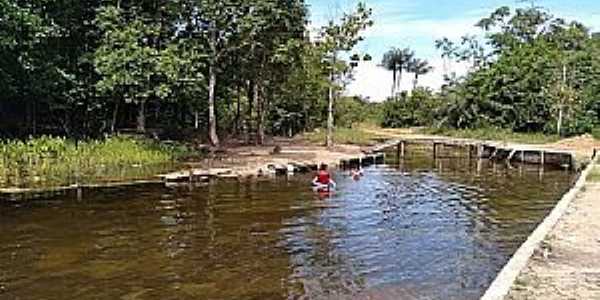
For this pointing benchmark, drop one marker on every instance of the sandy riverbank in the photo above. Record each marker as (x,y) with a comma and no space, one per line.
(247,161)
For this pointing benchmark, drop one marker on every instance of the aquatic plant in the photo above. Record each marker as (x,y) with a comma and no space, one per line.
(56,159)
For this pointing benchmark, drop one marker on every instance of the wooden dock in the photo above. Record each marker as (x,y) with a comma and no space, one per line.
(475,149)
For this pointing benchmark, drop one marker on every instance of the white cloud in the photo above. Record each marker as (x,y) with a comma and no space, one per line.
(375,82)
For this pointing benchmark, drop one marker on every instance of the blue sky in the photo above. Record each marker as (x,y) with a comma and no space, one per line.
(417,24)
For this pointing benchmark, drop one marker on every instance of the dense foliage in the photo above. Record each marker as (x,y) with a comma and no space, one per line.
(535,73)
(207,67)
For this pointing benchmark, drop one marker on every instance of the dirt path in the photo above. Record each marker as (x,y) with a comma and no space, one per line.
(567,265)
(248,160)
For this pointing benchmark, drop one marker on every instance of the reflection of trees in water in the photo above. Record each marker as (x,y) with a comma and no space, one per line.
(235,244)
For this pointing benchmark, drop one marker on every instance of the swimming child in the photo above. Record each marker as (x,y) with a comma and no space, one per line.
(356,174)
(323,177)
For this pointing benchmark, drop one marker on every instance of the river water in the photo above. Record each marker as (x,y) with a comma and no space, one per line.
(415,229)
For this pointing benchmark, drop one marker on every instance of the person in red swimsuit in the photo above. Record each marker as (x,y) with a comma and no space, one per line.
(323,177)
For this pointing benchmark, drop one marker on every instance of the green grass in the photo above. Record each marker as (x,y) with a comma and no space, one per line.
(50,161)
(595,174)
(352,136)
(495,134)
(596,133)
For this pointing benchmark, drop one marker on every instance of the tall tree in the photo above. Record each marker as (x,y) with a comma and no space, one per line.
(217,23)
(128,60)
(398,61)
(419,68)
(390,61)
(336,37)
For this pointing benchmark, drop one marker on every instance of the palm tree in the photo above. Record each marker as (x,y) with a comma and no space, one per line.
(406,56)
(390,63)
(397,60)
(419,67)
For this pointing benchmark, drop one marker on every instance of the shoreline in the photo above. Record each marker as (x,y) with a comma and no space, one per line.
(247,162)
(506,281)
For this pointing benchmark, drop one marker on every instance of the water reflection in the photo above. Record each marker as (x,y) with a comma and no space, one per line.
(414,229)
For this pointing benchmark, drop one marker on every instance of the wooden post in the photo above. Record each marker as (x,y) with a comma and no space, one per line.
(542,158)
(522,156)
(435,145)
(479,151)
(398,151)
(521,170)
(470,152)
(402,149)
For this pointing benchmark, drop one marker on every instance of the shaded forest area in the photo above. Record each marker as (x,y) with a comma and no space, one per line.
(189,68)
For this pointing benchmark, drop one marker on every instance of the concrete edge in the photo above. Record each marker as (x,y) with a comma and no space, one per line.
(501,286)
(17,194)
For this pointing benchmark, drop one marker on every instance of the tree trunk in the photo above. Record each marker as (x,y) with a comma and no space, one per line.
(34,117)
(212,120)
(248,118)
(113,122)
(561,105)
(394,82)
(141,118)
(560,117)
(196,119)
(329,141)
(399,82)
(260,115)
(212,82)
(415,82)
(238,111)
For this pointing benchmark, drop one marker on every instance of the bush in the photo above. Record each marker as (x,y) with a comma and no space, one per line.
(417,109)
(45,158)
(351,111)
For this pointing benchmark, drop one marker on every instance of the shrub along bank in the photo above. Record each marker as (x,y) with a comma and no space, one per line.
(52,160)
